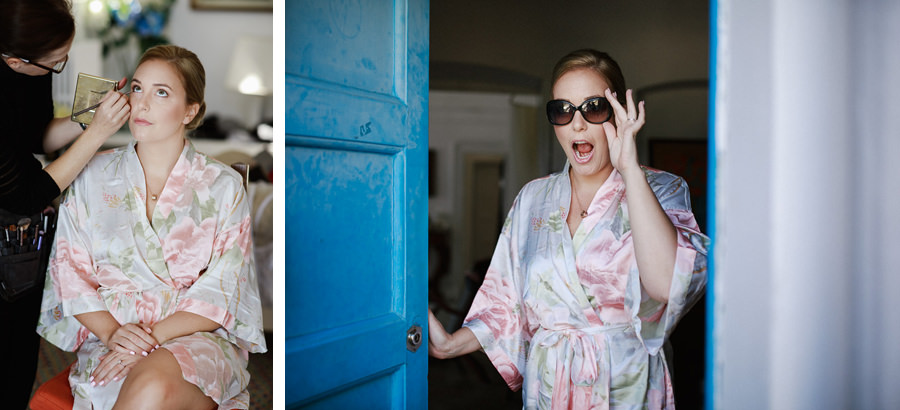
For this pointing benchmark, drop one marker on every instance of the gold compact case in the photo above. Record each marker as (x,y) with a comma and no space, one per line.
(88,91)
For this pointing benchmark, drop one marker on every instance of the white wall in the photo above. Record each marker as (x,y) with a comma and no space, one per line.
(806,262)
(211,35)
(468,121)
(476,123)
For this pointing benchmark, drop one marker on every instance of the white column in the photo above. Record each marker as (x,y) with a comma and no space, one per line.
(808,205)
(875,132)
(743,257)
(812,186)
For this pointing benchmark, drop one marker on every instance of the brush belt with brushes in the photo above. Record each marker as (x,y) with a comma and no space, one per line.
(25,243)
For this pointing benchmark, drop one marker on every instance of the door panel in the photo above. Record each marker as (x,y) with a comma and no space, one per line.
(352,189)
(355,203)
(379,390)
(351,43)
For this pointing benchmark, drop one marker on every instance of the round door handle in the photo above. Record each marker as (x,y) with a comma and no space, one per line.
(413,338)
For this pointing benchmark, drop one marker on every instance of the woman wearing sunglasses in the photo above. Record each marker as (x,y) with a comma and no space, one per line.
(595,265)
(35,37)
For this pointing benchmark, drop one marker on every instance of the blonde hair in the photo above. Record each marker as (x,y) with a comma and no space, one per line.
(189,70)
(595,60)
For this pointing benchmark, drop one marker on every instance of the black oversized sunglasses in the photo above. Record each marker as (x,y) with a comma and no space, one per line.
(594,110)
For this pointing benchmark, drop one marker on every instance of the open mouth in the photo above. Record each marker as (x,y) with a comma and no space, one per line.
(583,151)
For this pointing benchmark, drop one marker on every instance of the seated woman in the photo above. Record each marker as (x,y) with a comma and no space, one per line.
(151,280)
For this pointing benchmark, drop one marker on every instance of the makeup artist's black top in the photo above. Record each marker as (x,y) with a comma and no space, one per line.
(26,108)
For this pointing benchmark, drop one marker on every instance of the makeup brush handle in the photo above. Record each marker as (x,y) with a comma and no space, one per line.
(94,106)
(86,110)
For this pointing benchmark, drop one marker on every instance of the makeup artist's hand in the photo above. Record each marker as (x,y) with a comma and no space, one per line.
(132,339)
(113,366)
(112,113)
(621,137)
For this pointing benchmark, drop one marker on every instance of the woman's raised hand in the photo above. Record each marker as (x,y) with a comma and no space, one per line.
(621,137)
(132,339)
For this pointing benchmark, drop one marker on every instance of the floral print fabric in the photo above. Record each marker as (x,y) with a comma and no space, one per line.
(194,256)
(565,318)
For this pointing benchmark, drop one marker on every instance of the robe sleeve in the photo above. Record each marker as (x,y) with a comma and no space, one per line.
(227,291)
(498,315)
(70,287)
(658,320)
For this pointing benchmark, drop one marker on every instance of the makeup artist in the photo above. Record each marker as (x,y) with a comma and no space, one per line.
(35,38)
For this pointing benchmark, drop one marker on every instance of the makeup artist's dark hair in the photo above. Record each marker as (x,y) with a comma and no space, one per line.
(32,29)
(189,69)
(595,60)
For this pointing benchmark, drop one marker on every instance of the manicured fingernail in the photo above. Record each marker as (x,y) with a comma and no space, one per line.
(103,382)
(92,378)
(157,346)
(144,353)
(132,353)
(115,379)
(93,384)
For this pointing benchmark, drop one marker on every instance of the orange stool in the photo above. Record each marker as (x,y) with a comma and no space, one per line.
(54,394)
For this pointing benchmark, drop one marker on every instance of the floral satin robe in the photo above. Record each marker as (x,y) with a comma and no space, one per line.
(194,256)
(565,317)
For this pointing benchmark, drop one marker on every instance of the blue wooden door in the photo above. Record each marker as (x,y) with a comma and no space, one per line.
(356,148)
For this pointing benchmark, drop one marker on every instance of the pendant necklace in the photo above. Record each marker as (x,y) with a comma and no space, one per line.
(154,197)
(578,200)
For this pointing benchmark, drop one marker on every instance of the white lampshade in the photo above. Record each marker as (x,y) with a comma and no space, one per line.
(250,71)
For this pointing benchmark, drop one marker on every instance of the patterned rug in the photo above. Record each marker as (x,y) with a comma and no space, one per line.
(52,361)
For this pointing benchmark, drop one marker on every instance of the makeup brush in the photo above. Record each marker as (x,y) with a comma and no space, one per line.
(23,225)
(95,106)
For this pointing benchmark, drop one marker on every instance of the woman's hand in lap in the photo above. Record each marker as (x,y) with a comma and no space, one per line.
(113,366)
(132,339)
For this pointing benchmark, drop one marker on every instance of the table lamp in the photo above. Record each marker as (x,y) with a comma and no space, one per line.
(250,72)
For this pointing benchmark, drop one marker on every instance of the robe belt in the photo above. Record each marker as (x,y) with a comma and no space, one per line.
(579,352)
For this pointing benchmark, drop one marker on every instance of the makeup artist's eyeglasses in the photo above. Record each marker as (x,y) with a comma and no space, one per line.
(594,110)
(57,68)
